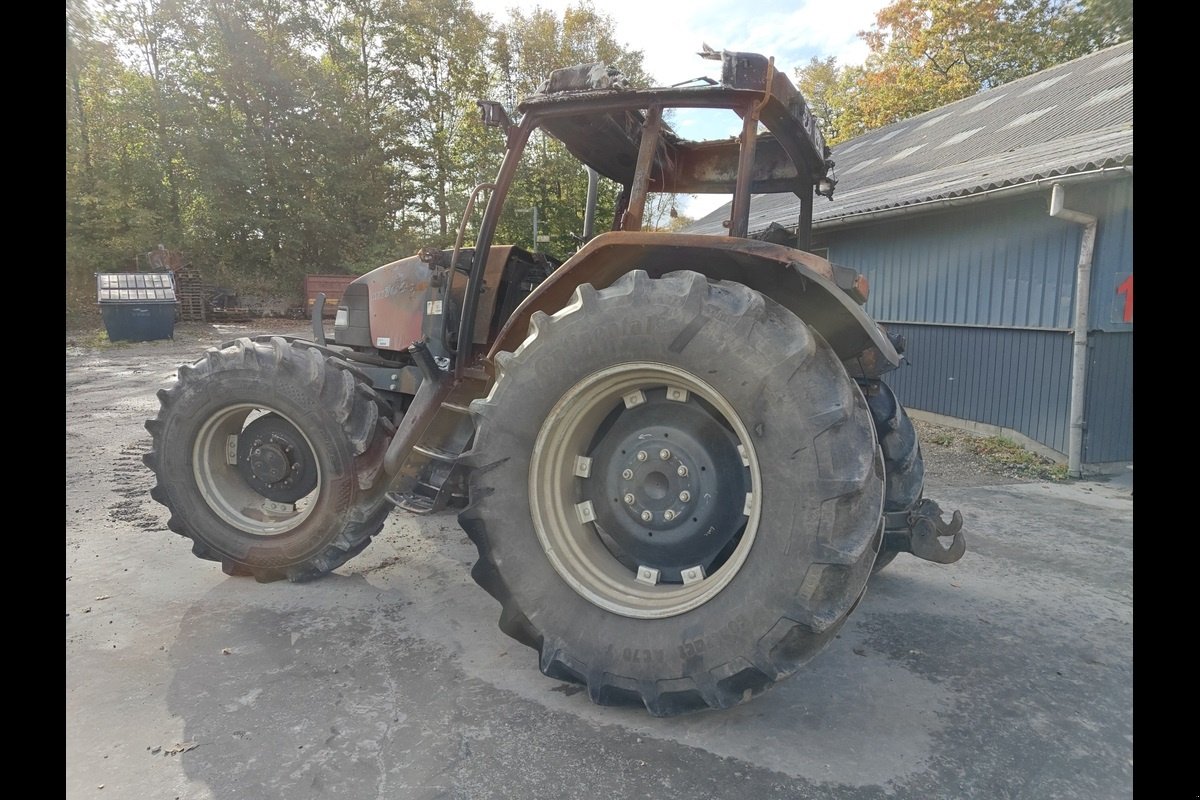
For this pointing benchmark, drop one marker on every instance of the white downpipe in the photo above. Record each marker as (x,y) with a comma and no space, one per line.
(1083,283)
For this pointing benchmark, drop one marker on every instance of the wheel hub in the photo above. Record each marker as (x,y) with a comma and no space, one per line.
(270,462)
(626,555)
(672,487)
(275,460)
(663,487)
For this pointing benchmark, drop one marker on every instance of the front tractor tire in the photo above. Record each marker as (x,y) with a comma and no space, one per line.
(269,456)
(675,492)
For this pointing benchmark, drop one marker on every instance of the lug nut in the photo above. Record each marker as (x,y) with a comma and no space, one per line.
(684,496)
(630,499)
(647,516)
(641,456)
(627,474)
(664,454)
(668,515)
(682,471)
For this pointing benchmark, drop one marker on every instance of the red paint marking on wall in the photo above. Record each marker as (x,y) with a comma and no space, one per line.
(1126,288)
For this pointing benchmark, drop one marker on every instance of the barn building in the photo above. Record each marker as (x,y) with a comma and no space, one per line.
(979,225)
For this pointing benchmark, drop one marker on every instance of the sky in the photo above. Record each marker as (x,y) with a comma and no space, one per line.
(669,34)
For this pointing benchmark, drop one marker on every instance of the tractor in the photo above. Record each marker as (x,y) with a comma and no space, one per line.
(674,452)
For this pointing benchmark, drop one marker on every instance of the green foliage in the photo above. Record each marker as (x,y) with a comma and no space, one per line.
(268,139)
(531,46)
(927,53)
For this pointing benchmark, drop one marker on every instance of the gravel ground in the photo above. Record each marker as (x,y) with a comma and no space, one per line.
(950,460)
(1005,675)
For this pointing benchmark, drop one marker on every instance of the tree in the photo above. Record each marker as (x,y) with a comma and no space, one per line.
(438,55)
(272,138)
(114,182)
(829,91)
(532,45)
(926,53)
(363,135)
(1106,22)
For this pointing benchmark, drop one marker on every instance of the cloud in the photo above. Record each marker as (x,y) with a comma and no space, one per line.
(793,32)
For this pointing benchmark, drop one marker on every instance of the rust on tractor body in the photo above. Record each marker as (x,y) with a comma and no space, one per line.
(802,282)
(699,386)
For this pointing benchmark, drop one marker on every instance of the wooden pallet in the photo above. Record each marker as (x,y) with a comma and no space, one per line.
(189,288)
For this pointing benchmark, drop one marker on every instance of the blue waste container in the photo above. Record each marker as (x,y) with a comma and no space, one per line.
(137,306)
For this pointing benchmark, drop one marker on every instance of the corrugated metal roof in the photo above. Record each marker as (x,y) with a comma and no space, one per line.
(1071,118)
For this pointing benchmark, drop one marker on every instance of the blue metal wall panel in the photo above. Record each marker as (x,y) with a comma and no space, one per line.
(1112,261)
(986,293)
(998,265)
(1108,407)
(1018,379)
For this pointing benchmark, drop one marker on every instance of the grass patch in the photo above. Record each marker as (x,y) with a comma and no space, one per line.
(1016,460)
(942,438)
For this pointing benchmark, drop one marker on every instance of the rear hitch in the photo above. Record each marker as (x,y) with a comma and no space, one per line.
(919,530)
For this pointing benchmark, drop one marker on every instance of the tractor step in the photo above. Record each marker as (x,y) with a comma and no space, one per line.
(436,454)
(413,503)
(427,477)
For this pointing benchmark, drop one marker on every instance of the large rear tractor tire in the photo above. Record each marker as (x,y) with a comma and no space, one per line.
(904,466)
(675,492)
(269,456)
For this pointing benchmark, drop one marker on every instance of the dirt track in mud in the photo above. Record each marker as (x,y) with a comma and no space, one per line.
(1008,674)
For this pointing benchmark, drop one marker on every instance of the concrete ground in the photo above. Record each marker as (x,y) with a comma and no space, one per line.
(1006,675)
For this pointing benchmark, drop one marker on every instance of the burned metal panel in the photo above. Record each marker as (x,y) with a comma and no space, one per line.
(1108,407)
(1018,379)
(397,294)
(606,142)
(399,298)
(712,168)
(609,144)
(600,127)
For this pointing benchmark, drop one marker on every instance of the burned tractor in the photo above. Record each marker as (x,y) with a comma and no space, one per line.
(673,452)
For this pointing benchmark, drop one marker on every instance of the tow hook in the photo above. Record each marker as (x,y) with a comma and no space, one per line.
(919,531)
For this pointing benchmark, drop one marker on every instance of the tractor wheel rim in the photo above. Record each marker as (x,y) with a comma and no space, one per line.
(591,547)
(222,482)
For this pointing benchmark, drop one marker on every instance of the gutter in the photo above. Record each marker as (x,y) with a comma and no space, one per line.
(1083,283)
(1013,190)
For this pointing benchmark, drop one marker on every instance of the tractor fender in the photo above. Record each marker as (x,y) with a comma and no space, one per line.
(801,282)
